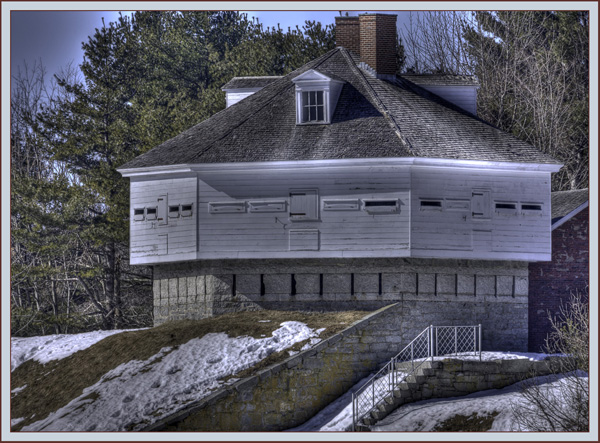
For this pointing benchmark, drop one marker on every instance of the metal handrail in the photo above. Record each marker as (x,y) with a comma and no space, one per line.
(380,385)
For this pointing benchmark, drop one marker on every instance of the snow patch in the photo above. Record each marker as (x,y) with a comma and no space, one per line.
(425,415)
(46,348)
(17,390)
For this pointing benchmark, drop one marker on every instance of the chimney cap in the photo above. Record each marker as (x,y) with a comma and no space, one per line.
(377,13)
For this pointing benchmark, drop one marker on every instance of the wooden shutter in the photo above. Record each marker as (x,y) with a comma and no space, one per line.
(304,205)
(162,210)
(480,204)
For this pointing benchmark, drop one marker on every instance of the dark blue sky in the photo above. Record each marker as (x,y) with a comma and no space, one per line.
(55,37)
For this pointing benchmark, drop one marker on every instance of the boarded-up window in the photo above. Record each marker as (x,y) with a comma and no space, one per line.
(480,204)
(304,205)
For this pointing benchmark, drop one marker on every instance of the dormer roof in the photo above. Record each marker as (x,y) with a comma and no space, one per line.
(313,76)
(373,118)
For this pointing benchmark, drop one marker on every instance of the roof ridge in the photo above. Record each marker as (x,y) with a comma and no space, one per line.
(382,108)
(259,76)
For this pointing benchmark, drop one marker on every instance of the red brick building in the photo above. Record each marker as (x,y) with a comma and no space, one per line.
(552,283)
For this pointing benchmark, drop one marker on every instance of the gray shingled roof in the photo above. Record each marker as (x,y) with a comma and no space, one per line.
(564,202)
(373,119)
(250,82)
(442,79)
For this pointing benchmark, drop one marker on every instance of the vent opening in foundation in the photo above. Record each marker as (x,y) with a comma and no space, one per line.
(321,285)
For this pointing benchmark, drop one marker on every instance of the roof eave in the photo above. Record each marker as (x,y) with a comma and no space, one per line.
(391,161)
(570,215)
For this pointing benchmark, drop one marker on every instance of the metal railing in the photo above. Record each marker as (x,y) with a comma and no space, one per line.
(434,341)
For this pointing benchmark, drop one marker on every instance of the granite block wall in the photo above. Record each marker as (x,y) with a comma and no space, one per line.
(439,292)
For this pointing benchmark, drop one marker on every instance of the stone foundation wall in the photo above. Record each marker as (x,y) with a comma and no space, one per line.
(439,292)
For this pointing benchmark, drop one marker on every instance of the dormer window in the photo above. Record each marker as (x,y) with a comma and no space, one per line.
(313,106)
(316,97)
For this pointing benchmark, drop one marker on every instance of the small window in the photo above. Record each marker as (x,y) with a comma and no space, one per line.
(138,214)
(506,206)
(313,106)
(186,210)
(173,211)
(376,205)
(150,213)
(534,209)
(434,205)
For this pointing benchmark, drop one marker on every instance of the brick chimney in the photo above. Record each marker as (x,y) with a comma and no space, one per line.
(347,33)
(373,37)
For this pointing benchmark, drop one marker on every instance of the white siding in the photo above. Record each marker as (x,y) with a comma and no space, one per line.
(464,97)
(258,234)
(232,97)
(170,237)
(501,235)
(246,214)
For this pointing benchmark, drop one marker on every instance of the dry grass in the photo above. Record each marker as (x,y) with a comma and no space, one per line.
(467,423)
(53,385)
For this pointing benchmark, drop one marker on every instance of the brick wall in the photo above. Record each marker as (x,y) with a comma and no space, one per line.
(551,283)
(378,42)
(347,33)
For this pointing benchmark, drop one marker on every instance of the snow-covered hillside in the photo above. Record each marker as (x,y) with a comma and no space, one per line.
(140,392)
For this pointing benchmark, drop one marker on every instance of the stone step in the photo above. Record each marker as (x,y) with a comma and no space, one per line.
(378,415)
(402,393)
(415,379)
(390,399)
(367,421)
(386,407)
(362,428)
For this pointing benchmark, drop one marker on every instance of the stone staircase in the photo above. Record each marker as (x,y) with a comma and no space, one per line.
(402,379)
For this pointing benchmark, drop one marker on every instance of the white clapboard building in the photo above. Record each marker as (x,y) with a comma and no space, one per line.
(345,186)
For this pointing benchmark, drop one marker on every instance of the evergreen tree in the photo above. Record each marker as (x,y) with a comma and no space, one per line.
(146,78)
